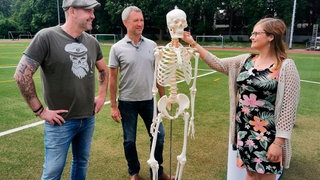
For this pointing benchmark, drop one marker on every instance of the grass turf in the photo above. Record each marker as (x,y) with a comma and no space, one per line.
(21,153)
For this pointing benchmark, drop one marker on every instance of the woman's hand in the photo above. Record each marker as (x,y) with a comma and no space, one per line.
(187,38)
(274,153)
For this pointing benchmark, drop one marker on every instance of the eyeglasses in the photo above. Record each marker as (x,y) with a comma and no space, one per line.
(255,34)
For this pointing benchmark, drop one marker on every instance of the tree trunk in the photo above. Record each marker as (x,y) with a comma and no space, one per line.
(161,34)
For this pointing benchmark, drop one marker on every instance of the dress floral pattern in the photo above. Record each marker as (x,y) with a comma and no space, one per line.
(255,117)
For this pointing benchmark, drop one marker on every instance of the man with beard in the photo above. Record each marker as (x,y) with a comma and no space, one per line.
(67,56)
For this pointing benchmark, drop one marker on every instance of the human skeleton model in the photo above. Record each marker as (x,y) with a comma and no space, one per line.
(173,64)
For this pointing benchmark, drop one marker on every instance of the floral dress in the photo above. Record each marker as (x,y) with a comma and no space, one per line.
(255,118)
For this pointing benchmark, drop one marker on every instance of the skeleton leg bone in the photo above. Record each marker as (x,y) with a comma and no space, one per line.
(152,162)
(182,158)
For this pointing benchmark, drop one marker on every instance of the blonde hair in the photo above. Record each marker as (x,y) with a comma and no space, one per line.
(277,28)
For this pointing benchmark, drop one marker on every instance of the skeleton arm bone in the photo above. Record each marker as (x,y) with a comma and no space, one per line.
(157,86)
(158,55)
(193,90)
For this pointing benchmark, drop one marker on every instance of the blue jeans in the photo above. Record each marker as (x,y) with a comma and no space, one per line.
(129,111)
(57,140)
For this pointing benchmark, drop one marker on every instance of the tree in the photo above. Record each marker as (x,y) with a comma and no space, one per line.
(205,11)
(114,9)
(45,14)
(240,15)
(22,14)
(7,24)
(235,12)
(253,11)
(34,15)
(5,8)
(102,23)
(155,21)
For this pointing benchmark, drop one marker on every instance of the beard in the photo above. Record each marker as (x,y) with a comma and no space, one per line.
(86,25)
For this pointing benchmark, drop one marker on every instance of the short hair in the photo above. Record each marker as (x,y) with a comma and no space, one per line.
(126,12)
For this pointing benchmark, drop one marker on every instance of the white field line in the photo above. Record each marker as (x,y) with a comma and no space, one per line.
(28,126)
(42,121)
(312,82)
(108,102)
(6,67)
(21,128)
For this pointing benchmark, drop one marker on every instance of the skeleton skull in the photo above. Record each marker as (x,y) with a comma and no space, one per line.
(176,22)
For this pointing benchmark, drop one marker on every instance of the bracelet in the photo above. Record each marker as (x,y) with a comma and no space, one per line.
(193,44)
(41,107)
(39,113)
(280,145)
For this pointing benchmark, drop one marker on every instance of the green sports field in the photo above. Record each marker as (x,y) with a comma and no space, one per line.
(21,152)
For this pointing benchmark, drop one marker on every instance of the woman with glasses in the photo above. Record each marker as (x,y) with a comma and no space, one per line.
(264,92)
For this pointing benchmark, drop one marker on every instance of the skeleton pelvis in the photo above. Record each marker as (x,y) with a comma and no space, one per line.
(166,104)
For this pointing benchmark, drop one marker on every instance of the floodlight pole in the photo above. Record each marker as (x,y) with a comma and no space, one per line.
(292,22)
(58,12)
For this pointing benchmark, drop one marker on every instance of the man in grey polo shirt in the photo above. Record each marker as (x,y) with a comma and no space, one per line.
(133,57)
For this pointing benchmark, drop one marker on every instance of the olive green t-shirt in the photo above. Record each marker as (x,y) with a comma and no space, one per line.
(67,70)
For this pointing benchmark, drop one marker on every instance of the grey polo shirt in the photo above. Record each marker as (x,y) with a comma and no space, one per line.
(136,66)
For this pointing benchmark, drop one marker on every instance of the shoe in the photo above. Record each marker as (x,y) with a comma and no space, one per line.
(135,177)
(165,176)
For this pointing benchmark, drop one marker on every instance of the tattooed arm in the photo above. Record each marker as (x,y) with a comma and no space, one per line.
(23,76)
(103,85)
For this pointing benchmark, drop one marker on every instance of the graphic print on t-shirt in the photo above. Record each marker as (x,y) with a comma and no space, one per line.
(78,57)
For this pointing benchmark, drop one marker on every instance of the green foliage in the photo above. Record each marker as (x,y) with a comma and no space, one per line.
(286,10)
(23,14)
(7,24)
(253,13)
(34,15)
(44,14)
(241,15)
(5,8)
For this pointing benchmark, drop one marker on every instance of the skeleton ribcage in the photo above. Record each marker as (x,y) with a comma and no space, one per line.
(174,65)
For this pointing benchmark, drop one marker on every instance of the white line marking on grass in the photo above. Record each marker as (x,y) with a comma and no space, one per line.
(21,128)
(313,82)
(108,102)
(6,67)
(42,121)
(205,70)
(28,126)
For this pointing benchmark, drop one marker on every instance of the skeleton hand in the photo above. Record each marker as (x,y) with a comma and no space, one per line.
(191,127)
